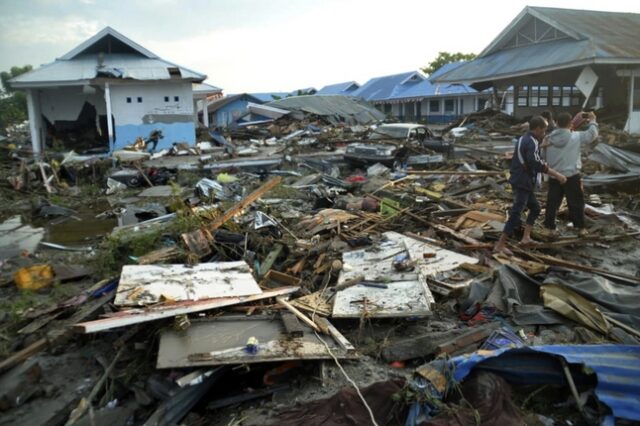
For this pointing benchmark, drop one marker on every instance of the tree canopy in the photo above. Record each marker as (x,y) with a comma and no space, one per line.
(5,76)
(13,103)
(445,58)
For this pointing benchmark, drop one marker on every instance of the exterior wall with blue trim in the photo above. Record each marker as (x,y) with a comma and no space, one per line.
(184,132)
(140,108)
(230,112)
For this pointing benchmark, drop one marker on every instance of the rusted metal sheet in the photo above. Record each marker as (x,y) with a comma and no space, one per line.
(224,341)
(149,284)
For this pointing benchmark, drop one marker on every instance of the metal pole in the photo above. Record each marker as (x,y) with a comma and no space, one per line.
(107,100)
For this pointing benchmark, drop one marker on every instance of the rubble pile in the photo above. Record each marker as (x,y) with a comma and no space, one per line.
(259,278)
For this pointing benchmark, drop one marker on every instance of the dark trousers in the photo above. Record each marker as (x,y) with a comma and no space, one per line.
(575,200)
(521,199)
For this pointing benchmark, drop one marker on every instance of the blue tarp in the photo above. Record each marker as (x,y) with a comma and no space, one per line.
(617,368)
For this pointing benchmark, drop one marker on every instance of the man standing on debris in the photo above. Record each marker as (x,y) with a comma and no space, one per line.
(563,154)
(526,165)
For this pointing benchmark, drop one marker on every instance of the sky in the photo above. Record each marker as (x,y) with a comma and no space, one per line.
(271,45)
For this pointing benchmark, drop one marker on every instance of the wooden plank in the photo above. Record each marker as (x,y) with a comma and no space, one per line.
(454,234)
(149,284)
(282,278)
(240,206)
(271,258)
(292,325)
(328,328)
(137,316)
(297,313)
(197,243)
(58,334)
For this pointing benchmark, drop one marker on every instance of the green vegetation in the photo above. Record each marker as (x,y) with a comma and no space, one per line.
(13,104)
(445,58)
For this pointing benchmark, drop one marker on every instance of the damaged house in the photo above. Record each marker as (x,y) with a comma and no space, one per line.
(563,60)
(413,97)
(107,92)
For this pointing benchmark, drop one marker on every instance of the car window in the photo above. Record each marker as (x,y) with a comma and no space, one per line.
(389,132)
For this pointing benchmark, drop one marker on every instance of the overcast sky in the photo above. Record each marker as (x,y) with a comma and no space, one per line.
(270,45)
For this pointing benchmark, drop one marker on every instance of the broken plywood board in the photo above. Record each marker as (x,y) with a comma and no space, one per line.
(16,238)
(137,316)
(406,293)
(223,341)
(149,284)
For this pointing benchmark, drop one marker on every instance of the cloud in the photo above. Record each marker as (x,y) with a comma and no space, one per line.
(27,30)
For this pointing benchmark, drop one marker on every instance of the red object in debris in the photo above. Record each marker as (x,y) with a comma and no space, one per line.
(280,373)
(397,364)
(578,121)
(356,179)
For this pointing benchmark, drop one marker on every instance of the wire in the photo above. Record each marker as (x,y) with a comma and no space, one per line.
(349,379)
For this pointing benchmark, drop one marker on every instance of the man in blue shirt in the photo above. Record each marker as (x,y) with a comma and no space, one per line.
(526,166)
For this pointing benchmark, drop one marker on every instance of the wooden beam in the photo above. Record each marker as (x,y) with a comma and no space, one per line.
(297,313)
(329,329)
(246,202)
(292,325)
(137,316)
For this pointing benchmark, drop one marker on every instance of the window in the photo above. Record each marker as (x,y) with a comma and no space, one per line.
(636,94)
(128,99)
(139,99)
(166,99)
(543,96)
(387,108)
(556,95)
(534,92)
(566,96)
(575,96)
(523,93)
(448,105)
(176,98)
(481,103)
(434,106)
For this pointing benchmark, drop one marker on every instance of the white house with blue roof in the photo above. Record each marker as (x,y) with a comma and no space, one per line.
(109,91)
(413,97)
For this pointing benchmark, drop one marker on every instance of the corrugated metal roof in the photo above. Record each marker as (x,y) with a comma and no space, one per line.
(593,37)
(108,32)
(380,88)
(346,108)
(216,104)
(85,68)
(205,88)
(339,88)
(617,368)
(398,87)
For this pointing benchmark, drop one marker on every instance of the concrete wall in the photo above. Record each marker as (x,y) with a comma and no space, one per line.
(135,119)
(65,103)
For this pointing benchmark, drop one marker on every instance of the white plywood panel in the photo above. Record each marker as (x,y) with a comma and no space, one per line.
(399,299)
(148,284)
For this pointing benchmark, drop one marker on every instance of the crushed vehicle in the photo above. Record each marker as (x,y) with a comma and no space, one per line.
(389,153)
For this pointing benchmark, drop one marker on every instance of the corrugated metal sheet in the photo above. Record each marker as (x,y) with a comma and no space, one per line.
(601,36)
(339,88)
(86,68)
(617,368)
(344,108)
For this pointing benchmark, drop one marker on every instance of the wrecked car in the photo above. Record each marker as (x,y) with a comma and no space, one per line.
(387,153)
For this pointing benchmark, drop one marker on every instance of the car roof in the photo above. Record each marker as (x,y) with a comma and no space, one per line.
(402,125)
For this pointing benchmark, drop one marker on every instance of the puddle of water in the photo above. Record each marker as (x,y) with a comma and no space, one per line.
(81,228)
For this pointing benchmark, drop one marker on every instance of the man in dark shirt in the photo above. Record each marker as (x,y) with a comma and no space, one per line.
(526,165)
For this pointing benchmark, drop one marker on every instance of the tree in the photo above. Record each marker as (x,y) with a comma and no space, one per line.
(13,103)
(445,58)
